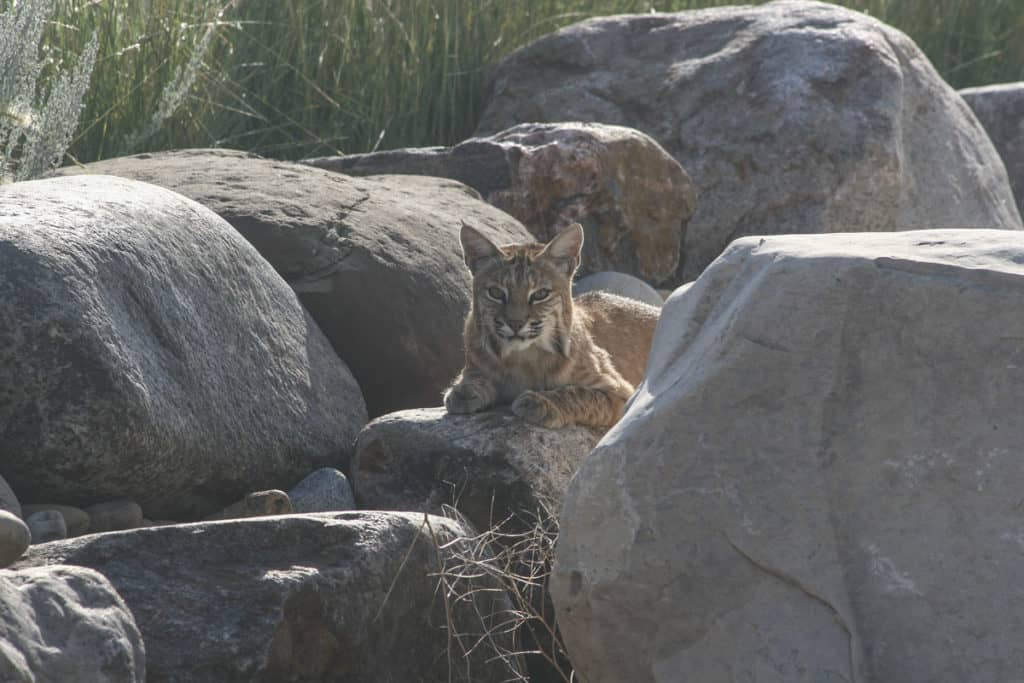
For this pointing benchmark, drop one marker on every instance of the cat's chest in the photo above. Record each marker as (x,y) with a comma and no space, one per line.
(515,379)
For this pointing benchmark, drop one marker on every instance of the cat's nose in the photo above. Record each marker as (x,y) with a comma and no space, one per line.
(515,325)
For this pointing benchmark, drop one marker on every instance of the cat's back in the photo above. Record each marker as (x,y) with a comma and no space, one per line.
(623,327)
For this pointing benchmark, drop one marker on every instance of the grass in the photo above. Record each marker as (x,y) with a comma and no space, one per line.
(295,78)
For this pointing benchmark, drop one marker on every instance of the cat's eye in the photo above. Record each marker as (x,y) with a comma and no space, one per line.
(496,293)
(540,295)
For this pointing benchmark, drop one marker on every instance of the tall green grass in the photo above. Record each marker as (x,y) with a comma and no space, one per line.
(294,78)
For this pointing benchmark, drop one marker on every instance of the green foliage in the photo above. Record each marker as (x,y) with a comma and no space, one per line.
(36,123)
(294,78)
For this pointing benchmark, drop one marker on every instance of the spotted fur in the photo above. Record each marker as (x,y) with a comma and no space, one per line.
(529,344)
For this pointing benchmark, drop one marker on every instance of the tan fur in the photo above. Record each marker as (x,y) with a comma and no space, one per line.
(556,360)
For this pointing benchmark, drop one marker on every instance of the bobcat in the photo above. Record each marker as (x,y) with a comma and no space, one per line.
(557,361)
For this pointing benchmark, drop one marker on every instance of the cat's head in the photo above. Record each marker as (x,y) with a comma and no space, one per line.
(522,293)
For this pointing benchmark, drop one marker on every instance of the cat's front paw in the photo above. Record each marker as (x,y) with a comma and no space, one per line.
(536,409)
(464,398)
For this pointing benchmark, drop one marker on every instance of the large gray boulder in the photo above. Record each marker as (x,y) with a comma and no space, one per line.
(328,597)
(819,479)
(61,624)
(148,352)
(632,198)
(791,117)
(376,261)
(503,475)
(490,466)
(1000,108)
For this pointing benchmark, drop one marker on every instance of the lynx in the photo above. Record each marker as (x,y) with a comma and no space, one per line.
(528,343)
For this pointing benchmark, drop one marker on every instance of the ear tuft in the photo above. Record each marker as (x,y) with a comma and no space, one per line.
(475,247)
(565,248)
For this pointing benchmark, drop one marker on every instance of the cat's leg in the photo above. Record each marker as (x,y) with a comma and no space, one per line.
(591,407)
(470,394)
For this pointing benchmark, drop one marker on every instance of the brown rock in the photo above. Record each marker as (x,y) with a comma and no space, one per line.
(115,515)
(257,504)
(632,198)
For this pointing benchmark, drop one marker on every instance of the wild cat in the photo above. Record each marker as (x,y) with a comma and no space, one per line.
(528,343)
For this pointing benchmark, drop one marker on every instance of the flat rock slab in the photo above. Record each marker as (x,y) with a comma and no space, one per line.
(66,624)
(1000,108)
(340,597)
(148,352)
(790,117)
(376,261)
(490,466)
(820,478)
(632,198)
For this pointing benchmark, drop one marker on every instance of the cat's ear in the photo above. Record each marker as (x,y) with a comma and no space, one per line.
(564,248)
(475,247)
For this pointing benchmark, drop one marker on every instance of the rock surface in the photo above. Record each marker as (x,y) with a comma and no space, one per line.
(489,466)
(14,538)
(326,490)
(618,283)
(632,198)
(819,479)
(66,624)
(340,597)
(791,117)
(376,261)
(1000,108)
(147,351)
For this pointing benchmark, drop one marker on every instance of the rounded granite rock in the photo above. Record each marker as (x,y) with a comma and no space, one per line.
(14,538)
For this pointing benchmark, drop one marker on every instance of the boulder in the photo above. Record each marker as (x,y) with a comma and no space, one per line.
(114,515)
(14,538)
(325,490)
(66,624)
(490,466)
(632,198)
(76,520)
(9,501)
(148,352)
(791,117)
(1000,108)
(341,597)
(819,478)
(46,525)
(618,283)
(504,476)
(376,261)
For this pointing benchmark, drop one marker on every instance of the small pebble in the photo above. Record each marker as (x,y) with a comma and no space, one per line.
(14,538)
(75,519)
(115,515)
(46,526)
(323,490)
